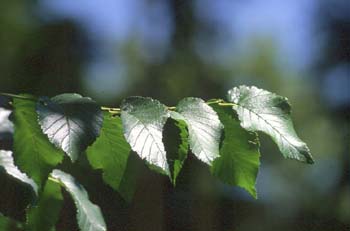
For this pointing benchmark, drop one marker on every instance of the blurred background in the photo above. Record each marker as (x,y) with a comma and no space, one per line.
(170,49)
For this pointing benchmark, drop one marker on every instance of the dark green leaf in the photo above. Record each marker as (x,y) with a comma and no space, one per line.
(7,163)
(111,153)
(176,144)
(143,121)
(204,128)
(45,215)
(71,122)
(33,152)
(89,215)
(260,110)
(7,224)
(238,163)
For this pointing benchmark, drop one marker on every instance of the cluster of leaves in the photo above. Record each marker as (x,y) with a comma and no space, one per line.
(220,133)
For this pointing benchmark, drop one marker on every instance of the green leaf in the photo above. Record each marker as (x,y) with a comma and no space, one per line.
(33,153)
(260,110)
(111,153)
(7,224)
(71,122)
(7,163)
(89,215)
(204,128)
(238,163)
(143,122)
(176,144)
(45,215)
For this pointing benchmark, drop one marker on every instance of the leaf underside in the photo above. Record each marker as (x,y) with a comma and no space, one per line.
(260,110)
(89,215)
(143,121)
(71,122)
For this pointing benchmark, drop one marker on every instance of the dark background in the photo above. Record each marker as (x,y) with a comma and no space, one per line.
(170,49)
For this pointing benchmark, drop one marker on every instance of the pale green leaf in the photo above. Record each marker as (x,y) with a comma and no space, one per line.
(89,215)
(71,122)
(143,122)
(260,110)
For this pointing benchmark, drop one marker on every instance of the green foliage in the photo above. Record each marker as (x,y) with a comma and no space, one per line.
(221,134)
(33,153)
(238,163)
(9,224)
(45,214)
(111,153)
(176,144)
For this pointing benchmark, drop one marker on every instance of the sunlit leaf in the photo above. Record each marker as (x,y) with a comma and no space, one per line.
(143,122)
(204,128)
(7,163)
(6,126)
(260,110)
(89,215)
(71,122)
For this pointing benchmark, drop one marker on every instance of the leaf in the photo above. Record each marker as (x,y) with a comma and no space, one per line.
(204,128)
(7,163)
(6,130)
(260,110)
(7,224)
(45,215)
(111,153)
(89,215)
(6,125)
(238,163)
(143,121)
(176,144)
(71,122)
(33,153)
